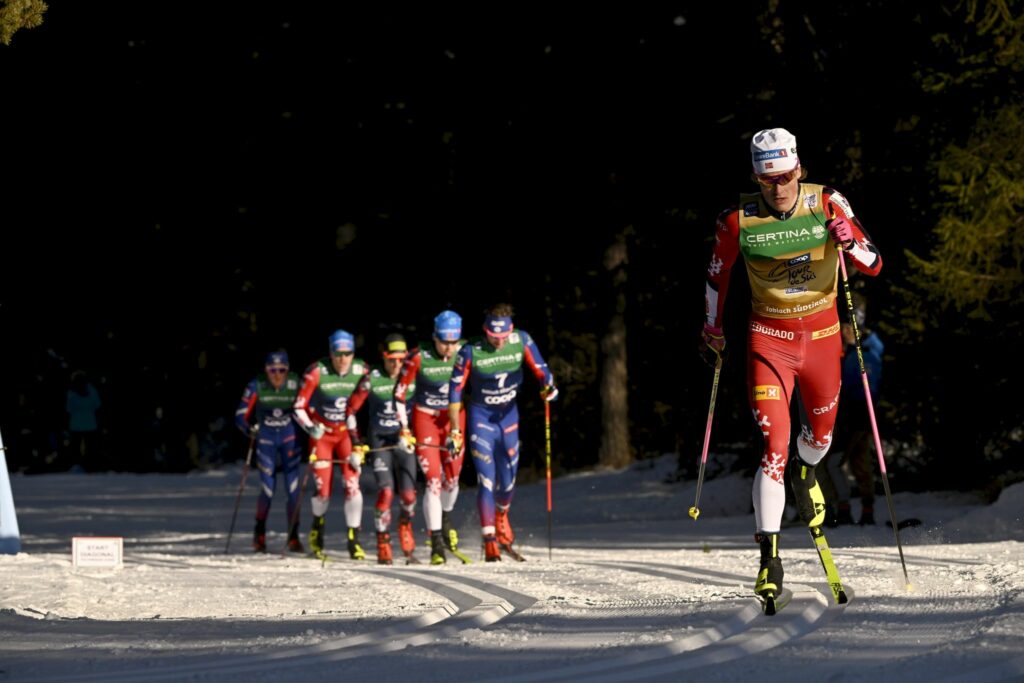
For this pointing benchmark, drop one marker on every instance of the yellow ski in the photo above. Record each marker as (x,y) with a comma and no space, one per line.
(831,573)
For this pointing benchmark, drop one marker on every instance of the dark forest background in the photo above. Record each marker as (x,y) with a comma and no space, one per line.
(185,188)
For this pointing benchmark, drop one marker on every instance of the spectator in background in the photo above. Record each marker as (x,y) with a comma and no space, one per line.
(83,402)
(853,431)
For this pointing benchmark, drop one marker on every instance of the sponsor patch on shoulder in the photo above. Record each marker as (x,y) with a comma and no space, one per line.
(750,209)
(811,201)
(827,332)
(767,392)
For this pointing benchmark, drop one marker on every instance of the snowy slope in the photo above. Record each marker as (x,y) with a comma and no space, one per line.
(635,590)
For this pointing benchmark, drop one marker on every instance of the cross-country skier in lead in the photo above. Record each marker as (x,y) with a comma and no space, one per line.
(377,390)
(265,414)
(783,233)
(429,368)
(320,408)
(493,367)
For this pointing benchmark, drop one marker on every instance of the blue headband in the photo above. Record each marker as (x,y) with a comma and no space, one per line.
(498,325)
(277,358)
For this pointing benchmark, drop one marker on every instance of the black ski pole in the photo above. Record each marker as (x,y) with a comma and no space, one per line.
(241,487)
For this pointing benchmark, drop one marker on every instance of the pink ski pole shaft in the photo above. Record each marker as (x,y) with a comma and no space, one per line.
(871,411)
(695,510)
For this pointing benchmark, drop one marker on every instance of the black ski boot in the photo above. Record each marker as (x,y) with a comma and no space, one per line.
(810,503)
(355,550)
(451,539)
(769,582)
(437,546)
(451,536)
(316,537)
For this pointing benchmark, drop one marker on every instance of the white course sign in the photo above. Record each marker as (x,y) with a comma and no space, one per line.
(97,551)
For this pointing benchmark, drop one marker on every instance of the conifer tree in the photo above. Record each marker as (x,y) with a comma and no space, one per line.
(18,14)
(975,262)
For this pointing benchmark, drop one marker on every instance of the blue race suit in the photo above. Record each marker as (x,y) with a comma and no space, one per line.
(276,444)
(492,423)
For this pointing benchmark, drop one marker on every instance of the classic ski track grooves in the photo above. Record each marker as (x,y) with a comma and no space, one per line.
(740,635)
(478,605)
(473,603)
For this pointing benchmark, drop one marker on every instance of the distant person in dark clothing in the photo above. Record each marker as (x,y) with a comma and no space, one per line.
(83,402)
(853,429)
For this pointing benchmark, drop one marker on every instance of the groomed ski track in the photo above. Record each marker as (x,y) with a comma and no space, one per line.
(476,603)
(715,627)
(632,592)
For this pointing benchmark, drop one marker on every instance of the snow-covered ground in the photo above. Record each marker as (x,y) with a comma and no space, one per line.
(635,590)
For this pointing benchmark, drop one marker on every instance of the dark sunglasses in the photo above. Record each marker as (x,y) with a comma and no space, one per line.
(277,371)
(344,353)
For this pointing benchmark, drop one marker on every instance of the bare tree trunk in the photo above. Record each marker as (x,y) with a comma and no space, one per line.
(615,450)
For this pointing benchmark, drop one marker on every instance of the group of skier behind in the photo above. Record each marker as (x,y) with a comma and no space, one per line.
(423,404)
